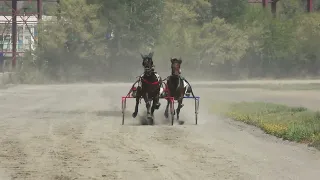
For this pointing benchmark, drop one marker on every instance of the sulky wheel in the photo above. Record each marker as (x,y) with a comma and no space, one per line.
(122,118)
(123,106)
(196,109)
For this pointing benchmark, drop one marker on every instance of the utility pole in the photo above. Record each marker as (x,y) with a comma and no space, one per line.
(14,4)
(264,3)
(309,5)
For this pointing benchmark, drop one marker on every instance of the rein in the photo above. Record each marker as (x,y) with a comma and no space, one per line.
(148,82)
(151,83)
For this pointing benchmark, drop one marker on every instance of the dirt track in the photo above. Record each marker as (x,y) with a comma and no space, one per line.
(73,132)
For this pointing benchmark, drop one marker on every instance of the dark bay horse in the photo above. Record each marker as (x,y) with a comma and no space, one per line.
(177,87)
(148,88)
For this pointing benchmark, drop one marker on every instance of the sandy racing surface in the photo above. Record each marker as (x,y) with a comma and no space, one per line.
(66,132)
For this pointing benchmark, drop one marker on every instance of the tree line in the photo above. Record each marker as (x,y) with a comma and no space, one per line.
(217,39)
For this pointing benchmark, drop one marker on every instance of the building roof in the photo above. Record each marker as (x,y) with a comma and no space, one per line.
(20,20)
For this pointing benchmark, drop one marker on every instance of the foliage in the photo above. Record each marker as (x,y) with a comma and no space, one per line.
(308,36)
(71,41)
(229,9)
(191,31)
(222,42)
(291,123)
(133,22)
(98,39)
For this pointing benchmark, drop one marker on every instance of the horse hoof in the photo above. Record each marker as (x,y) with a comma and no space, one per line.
(181,122)
(134,115)
(150,120)
(144,122)
(166,114)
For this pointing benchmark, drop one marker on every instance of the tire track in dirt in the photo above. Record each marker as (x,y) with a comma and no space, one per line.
(130,159)
(48,152)
(23,137)
(201,160)
(72,154)
(13,158)
(13,154)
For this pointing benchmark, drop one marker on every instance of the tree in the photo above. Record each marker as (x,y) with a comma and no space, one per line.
(72,40)
(230,10)
(134,23)
(308,36)
(103,38)
(222,45)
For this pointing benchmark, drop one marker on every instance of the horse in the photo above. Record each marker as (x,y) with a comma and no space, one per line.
(177,87)
(148,88)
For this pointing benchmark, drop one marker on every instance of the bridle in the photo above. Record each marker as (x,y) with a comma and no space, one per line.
(148,70)
(175,69)
(147,65)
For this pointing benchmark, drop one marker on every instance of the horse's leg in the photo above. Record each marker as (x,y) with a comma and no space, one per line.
(179,108)
(155,103)
(148,106)
(138,96)
(166,112)
(153,107)
(180,105)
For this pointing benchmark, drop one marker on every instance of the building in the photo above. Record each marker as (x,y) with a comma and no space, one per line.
(26,35)
(26,22)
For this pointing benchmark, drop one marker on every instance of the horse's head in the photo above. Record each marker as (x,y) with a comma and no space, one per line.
(175,66)
(147,63)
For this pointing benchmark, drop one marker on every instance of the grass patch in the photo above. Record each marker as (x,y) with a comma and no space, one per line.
(290,123)
(308,86)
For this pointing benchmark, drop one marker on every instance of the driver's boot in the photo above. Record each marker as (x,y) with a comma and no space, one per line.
(188,91)
(136,91)
(163,93)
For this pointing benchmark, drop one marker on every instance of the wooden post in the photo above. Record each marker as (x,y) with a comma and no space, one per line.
(309,5)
